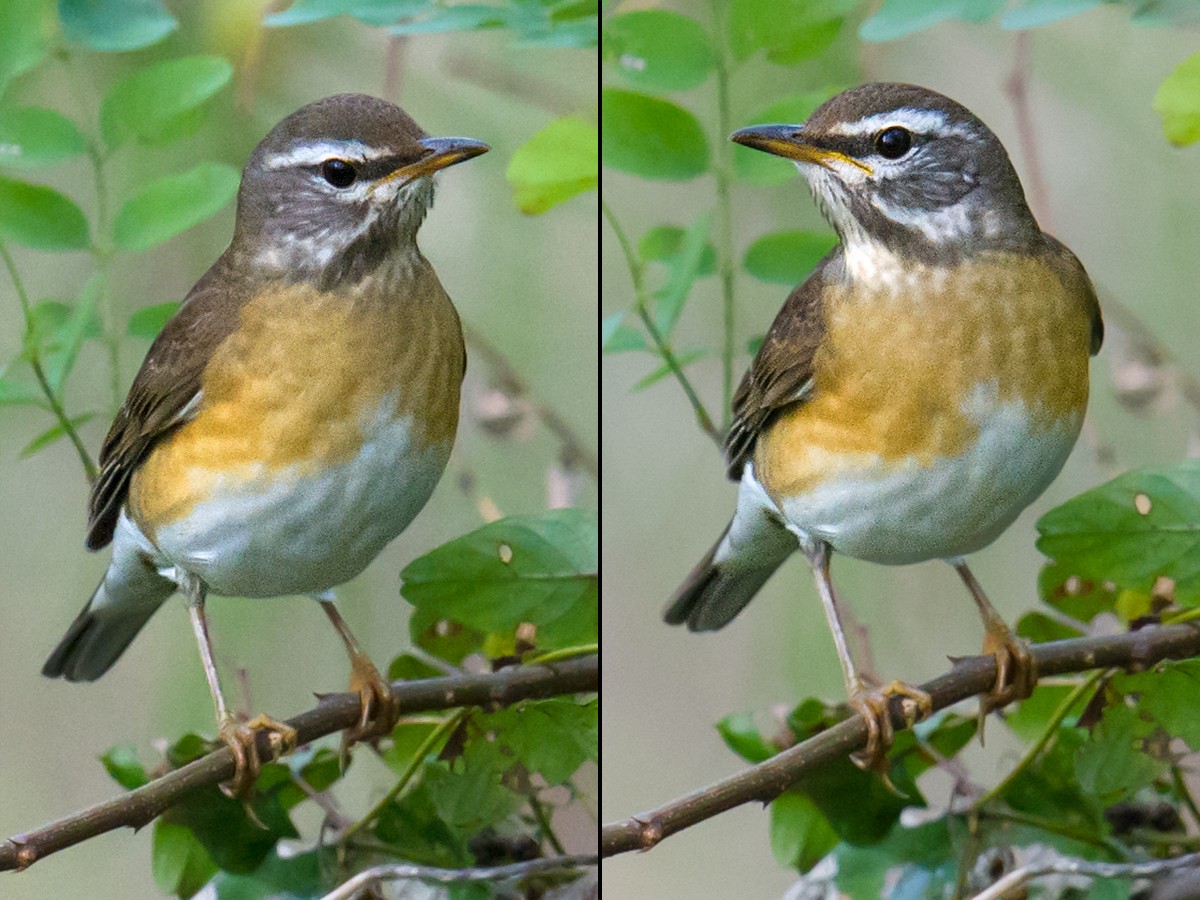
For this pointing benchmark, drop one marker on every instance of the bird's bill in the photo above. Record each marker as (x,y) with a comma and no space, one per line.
(442,152)
(788,141)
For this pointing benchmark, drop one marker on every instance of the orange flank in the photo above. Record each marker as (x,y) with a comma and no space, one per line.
(896,375)
(299,382)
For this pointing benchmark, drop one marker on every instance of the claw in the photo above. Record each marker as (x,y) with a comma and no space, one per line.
(874,707)
(242,741)
(379,708)
(1016,671)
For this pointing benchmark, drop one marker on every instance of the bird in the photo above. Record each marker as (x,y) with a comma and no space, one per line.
(917,391)
(295,414)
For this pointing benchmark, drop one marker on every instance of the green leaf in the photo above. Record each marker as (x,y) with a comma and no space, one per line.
(443,638)
(551,737)
(122,764)
(651,138)
(558,162)
(413,823)
(59,330)
(167,206)
(1139,527)
(1177,100)
(115,25)
(462,17)
(1034,13)
(684,269)
(540,569)
(927,851)
(682,359)
(1112,764)
(162,102)
(148,321)
(50,435)
(296,877)
(32,136)
(1080,598)
(20,393)
(1028,719)
(899,18)
(40,217)
(742,736)
(373,12)
(800,835)
(658,50)
(663,243)
(469,795)
(406,739)
(410,667)
(1170,694)
(1039,628)
(761,168)
(616,337)
(25,28)
(178,861)
(787,257)
(788,30)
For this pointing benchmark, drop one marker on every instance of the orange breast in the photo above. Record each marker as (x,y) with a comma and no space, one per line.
(901,365)
(298,382)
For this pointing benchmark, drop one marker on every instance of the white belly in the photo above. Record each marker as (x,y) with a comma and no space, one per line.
(298,532)
(905,512)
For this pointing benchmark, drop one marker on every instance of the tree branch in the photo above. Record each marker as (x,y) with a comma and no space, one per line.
(333,713)
(969,676)
(408,872)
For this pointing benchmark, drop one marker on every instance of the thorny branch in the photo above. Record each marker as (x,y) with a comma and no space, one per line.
(334,712)
(969,676)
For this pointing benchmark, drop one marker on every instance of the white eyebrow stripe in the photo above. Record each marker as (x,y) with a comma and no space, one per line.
(313,152)
(919,121)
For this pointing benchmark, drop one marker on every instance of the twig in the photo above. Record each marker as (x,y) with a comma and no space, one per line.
(703,419)
(969,676)
(56,407)
(1016,87)
(574,451)
(1025,874)
(333,713)
(407,872)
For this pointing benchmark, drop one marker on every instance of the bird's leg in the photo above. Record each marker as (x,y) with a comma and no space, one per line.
(869,702)
(379,708)
(1016,669)
(241,739)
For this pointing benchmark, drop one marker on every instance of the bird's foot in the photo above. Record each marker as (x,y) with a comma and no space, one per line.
(242,740)
(379,707)
(873,705)
(1016,670)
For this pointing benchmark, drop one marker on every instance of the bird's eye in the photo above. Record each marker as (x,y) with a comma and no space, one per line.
(893,142)
(338,172)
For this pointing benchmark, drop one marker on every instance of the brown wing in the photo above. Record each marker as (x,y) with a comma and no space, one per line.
(159,399)
(781,374)
(1070,262)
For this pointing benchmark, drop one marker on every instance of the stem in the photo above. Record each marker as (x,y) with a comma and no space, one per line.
(725,215)
(1056,827)
(636,273)
(1185,795)
(543,822)
(562,653)
(56,407)
(1048,732)
(103,253)
(418,758)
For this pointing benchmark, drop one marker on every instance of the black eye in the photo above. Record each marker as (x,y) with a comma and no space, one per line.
(893,142)
(338,172)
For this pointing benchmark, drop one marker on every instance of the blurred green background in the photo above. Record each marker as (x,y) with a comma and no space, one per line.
(525,282)
(1118,194)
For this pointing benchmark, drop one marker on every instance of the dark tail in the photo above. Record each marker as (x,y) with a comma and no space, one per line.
(102,631)
(730,574)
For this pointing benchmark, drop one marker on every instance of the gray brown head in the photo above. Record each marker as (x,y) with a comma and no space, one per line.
(337,187)
(905,168)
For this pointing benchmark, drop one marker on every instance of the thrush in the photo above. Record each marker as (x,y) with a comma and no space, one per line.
(295,414)
(921,388)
